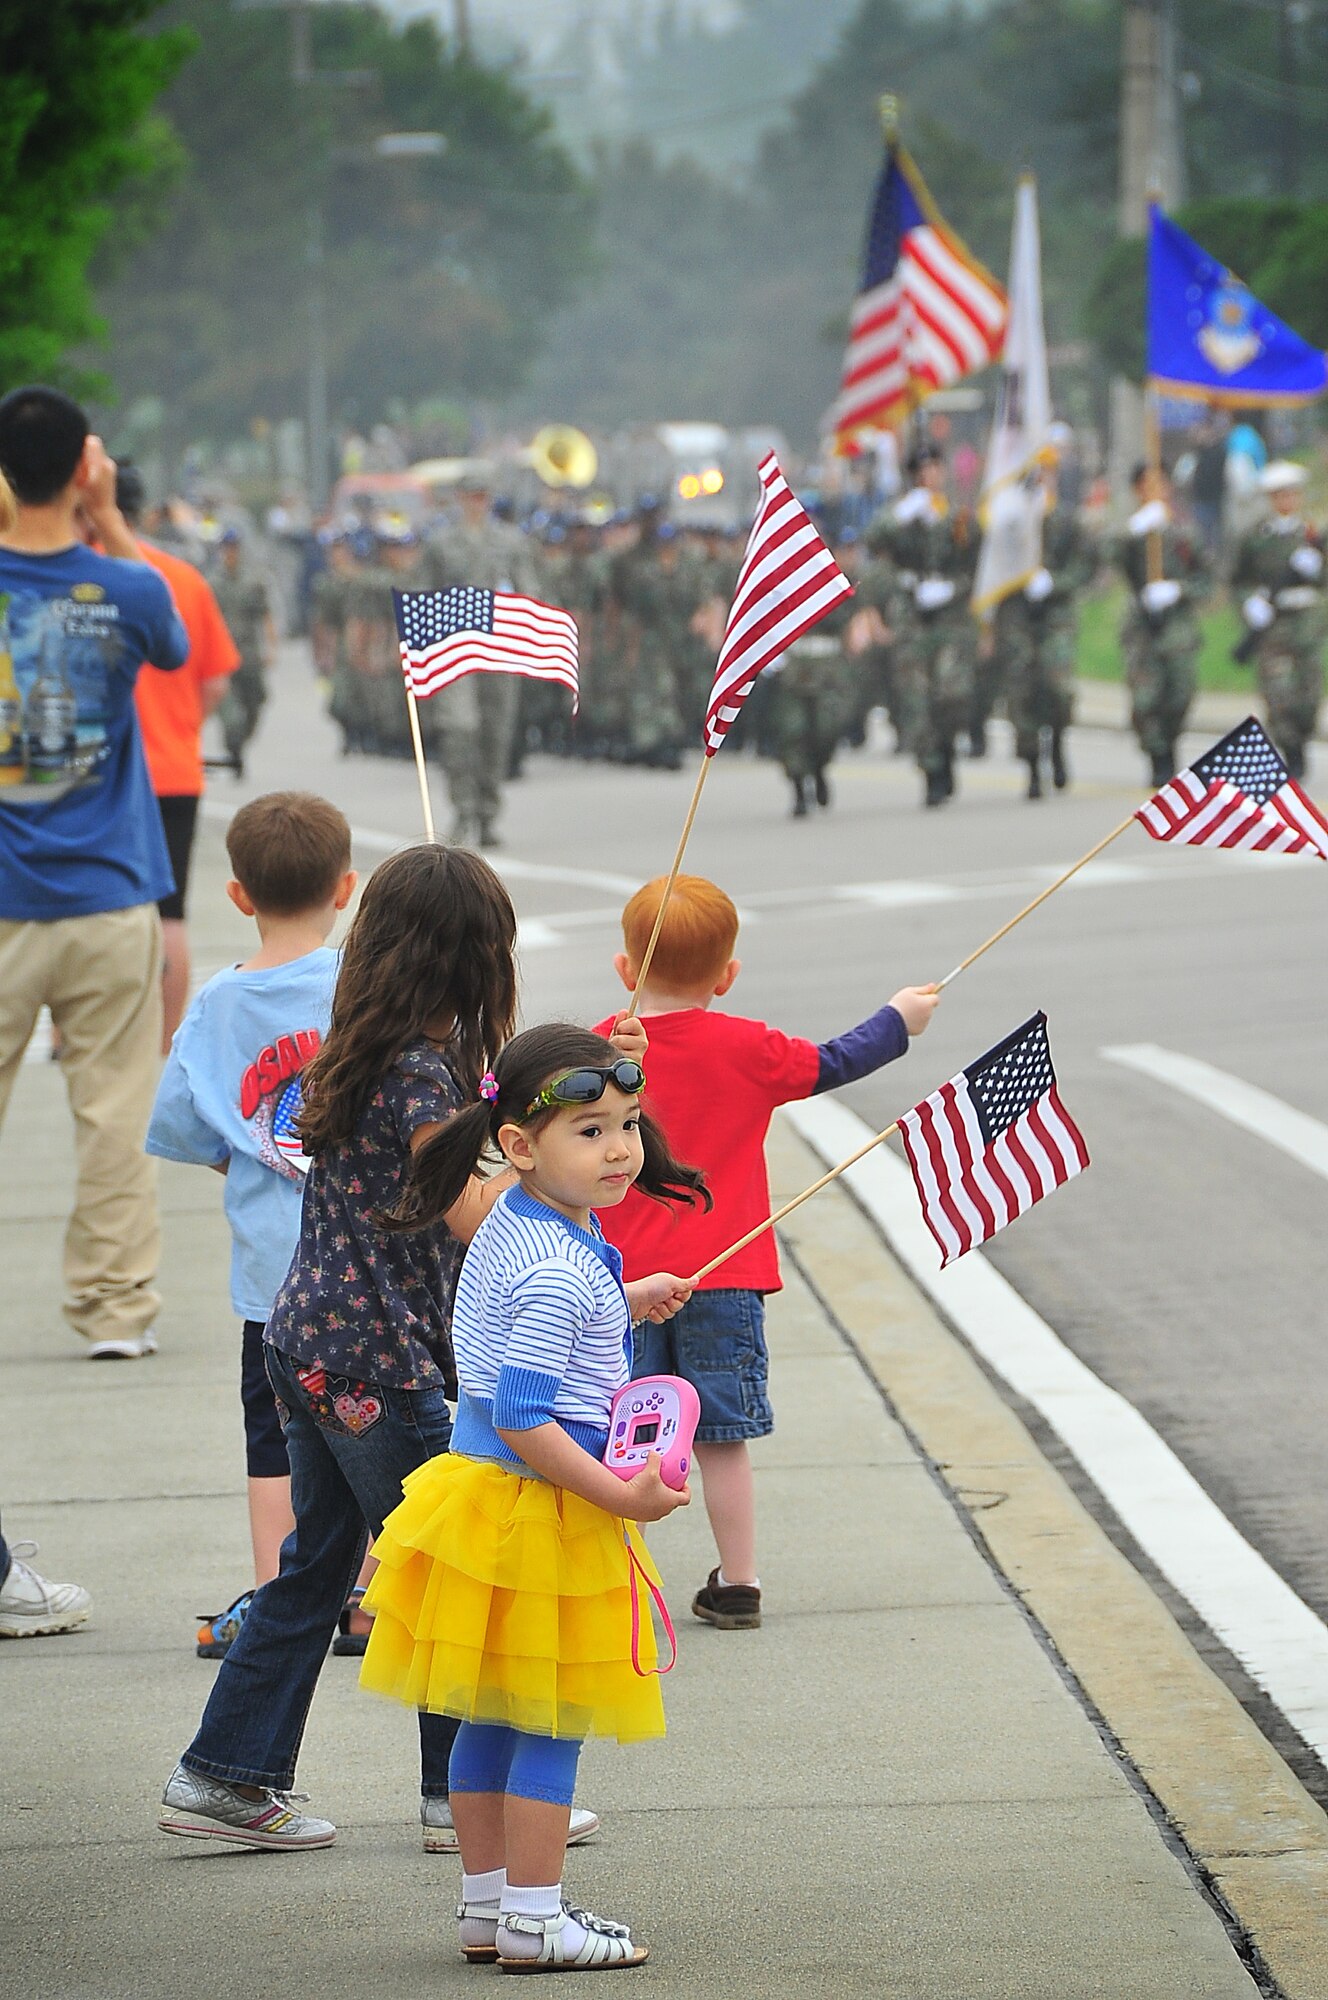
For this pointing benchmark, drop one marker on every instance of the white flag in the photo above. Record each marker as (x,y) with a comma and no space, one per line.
(1013,497)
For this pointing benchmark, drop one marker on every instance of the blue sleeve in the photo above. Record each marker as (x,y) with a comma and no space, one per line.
(165,641)
(880,1039)
(176,1131)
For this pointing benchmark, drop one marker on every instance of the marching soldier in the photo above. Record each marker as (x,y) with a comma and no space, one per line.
(476,716)
(650,623)
(810,707)
(1160,635)
(1279,567)
(935,555)
(372,706)
(243,597)
(580,585)
(1035,630)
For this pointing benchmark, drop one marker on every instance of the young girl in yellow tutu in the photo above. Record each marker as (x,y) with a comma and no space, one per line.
(503,1594)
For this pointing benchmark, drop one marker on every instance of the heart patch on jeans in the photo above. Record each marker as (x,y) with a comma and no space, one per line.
(358,1408)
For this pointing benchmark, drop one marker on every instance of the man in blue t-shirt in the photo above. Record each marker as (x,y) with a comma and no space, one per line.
(83,863)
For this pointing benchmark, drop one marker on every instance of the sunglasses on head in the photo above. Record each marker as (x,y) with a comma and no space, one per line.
(587,1085)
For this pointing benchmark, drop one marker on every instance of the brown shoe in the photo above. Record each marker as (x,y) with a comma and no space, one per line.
(733,1607)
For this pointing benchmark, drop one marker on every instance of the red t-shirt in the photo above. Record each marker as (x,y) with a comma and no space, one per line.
(170,706)
(713,1082)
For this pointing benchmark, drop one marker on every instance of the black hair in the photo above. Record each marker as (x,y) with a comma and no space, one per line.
(42,435)
(442,1168)
(131,491)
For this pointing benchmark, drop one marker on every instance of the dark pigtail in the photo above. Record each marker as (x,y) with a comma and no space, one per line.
(442,1169)
(662,1177)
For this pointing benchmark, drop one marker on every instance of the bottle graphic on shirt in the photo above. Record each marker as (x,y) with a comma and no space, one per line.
(51,712)
(13,755)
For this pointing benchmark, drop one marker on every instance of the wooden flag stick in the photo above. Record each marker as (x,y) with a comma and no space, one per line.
(1029,908)
(796,1202)
(687,826)
(418,741)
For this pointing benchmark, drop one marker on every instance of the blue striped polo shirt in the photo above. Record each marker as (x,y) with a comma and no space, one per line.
(541,1329)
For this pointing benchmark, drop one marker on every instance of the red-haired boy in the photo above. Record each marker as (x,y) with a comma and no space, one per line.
(714,1081)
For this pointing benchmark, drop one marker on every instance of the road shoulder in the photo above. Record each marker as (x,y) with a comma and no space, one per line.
(1252,1831)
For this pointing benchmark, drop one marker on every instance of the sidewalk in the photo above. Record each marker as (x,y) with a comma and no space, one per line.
(889,1790)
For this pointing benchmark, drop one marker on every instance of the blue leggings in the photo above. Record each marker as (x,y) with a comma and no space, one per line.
(489,1757)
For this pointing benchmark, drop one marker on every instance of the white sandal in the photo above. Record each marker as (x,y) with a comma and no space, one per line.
(479,1932)
(608,1947)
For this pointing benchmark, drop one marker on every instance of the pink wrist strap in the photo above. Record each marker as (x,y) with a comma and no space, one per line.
(635,1570)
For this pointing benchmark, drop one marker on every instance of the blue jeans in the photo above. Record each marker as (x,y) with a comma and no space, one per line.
(717,1343)
(343,1480)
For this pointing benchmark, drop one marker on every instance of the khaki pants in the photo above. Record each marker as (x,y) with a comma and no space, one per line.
(101,978)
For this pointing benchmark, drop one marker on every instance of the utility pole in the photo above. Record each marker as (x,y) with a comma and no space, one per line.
(461,18)
(1150,168)
(1289,15)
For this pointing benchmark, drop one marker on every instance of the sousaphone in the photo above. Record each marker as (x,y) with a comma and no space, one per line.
(562,456)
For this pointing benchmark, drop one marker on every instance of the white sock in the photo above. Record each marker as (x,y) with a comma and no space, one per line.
(486,1888)
(544,1902)
(726,1583)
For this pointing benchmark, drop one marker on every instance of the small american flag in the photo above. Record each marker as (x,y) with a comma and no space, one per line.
(464,630)
(286,1127)
(991,1142)
(1238,794)
(926,314)
(788,580)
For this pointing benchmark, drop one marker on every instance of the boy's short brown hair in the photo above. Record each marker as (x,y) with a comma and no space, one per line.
(289,850)
(696,941)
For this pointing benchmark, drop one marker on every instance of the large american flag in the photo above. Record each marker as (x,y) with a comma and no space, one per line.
(788,580)
(991,1142)
(1238,794)
(464,630)
(926,314)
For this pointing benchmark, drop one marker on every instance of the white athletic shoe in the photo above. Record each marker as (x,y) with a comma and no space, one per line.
(440,1834)
(131,1349)
(31,1605)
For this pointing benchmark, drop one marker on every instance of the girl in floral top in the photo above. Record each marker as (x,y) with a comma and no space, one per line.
(359,1341)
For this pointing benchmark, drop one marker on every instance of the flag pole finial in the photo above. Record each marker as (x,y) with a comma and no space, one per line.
(888,108)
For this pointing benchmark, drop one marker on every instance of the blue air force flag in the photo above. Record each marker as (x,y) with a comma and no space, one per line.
(1210,338)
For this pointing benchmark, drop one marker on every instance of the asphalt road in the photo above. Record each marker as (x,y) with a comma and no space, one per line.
(1189,1266)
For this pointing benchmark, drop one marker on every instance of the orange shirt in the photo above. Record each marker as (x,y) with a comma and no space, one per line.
(170,706)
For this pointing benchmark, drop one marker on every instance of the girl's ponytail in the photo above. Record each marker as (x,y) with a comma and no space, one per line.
(442,1169)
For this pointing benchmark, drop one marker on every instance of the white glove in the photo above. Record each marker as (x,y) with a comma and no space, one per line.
(1308,562)
(1149,518)
(932,592)
(915,506)
(1257,612)
(1161,594)
(1039,586)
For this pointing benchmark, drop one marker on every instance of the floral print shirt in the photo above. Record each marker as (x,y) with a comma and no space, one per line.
(358,1299)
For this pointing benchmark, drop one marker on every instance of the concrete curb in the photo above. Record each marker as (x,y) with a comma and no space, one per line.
(1254,1834)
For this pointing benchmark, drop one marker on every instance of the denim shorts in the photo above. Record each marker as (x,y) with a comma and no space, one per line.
(717,1343)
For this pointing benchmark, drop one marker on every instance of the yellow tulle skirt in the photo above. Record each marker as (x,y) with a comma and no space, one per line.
(503,1599)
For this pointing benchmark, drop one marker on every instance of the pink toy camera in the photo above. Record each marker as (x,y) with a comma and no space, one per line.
(658,1413)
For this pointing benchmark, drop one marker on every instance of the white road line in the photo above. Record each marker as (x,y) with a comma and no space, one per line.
(896,895)
(1258,1111)
(1279,1641)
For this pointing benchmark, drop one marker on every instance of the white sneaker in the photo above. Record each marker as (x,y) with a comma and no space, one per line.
(440,1834)
(31,1606)
(133,1348)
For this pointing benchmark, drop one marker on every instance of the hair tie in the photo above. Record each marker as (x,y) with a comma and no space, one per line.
(488,1086)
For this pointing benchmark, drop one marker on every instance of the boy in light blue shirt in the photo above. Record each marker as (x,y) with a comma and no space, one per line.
(229,1099)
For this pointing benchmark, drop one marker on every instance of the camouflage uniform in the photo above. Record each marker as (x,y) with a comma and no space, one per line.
(1035,639)
(581,585)
(475,718)
(244,606)
(1161,647)
(652,593)
(375,701)
(1282,562)
(810,708)
(935,557)
(873,680)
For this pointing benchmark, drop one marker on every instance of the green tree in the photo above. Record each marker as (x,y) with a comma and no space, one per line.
(78,80)
(440,273)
